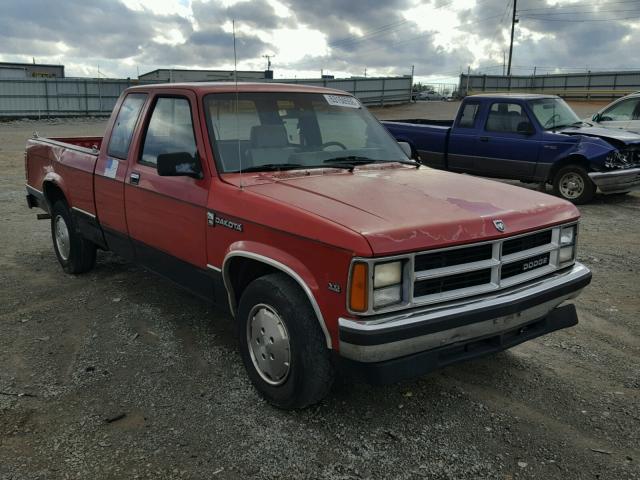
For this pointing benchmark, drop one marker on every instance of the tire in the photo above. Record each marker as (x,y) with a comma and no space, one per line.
(75,254)
(573,183)
(275,306)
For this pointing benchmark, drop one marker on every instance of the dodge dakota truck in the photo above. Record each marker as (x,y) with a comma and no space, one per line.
(533,138)
(293,208)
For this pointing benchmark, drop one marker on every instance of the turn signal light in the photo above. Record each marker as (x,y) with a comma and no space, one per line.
(358,301)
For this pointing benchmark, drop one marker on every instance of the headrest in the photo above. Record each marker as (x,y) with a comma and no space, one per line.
(265,136)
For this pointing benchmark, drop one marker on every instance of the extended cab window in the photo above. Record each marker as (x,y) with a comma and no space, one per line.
(170,130)
(125,123)
(468,116)
(505,117)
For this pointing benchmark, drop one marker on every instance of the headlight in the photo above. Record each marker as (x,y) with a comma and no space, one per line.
(567,244)
(375,285)
(567,235)
(386,274)
(387,296)
(566,254)
(387,284)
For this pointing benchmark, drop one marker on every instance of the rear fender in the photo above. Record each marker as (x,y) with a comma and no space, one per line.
(279,260)
(51,181)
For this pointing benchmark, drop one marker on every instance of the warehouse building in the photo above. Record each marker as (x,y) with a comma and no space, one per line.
(22,71)
(179,75)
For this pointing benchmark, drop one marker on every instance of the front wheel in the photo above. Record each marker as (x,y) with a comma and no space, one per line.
(282,345)
(75,253)
(573,183)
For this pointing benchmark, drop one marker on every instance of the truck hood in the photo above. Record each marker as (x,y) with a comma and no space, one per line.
(399,209)
(610,134)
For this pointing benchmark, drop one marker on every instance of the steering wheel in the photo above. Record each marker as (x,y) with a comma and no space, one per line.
(551,120)
(333,144)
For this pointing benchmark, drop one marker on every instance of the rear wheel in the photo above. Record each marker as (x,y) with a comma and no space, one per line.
(75,254)
(573,183)
(282,346)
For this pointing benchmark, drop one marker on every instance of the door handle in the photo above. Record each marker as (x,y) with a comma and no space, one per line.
(134,178)
(483,139)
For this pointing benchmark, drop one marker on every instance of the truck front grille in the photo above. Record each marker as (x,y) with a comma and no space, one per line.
(469,270)
(452,282)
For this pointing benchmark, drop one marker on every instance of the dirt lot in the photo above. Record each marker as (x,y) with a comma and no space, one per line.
(76,353)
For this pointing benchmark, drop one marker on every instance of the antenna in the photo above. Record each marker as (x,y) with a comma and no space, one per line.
(235,75)
(268,57)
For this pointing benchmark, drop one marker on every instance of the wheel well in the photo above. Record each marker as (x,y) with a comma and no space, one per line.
(53,193)
(570,160)
(241,271)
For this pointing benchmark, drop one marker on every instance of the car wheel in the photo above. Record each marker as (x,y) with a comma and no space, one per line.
(573,183)
(282,345)
(75,254)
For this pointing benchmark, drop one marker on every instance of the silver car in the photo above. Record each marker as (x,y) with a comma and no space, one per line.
(624,113)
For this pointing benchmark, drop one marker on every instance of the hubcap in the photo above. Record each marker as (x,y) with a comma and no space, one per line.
(62,237)
(269,347)
(571,185)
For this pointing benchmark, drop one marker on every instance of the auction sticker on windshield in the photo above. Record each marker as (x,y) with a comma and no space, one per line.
(342,101)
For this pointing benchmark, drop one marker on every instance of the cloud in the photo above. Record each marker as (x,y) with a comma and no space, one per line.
(343,37)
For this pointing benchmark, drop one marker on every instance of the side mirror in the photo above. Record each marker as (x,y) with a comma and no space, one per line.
(178,164)
(596,117)
(406,148)
(525,128)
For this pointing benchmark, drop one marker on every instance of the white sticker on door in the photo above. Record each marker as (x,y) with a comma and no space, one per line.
(112,168)
(342,101)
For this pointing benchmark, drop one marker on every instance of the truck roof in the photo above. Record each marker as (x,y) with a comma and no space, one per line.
(519,96)
(225,87)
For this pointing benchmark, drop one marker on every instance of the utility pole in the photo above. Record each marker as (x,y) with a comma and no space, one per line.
(466,93)
(504,62)
(514,20)
(268,57)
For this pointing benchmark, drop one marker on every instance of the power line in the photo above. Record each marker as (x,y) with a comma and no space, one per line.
(580,5)
(635,10)
(621,19)
(383,30)
(371,33)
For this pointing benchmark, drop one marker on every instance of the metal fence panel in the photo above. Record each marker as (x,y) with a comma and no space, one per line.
(587,85)
(93,96)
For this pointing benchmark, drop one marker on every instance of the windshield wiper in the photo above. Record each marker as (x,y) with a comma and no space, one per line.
(353,159)
(281,167)
(574,124)
(272,167)
(356,160)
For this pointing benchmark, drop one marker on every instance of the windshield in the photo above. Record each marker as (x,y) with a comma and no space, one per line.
(280,130)
(553,113)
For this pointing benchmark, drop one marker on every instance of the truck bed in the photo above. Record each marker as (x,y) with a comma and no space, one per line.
(424,121)
(428,138)
(67,162)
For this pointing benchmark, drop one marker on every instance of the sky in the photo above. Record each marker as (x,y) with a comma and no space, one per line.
(439,38)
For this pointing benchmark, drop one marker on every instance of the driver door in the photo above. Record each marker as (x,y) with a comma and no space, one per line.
(505,149)
(167,215)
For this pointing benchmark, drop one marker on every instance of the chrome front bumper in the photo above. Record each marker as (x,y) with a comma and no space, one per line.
(392,336)
(616,181)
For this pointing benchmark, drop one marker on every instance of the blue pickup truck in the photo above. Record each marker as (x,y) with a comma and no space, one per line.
(532,138)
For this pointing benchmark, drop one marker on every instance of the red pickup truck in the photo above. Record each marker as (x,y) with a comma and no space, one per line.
(296,209)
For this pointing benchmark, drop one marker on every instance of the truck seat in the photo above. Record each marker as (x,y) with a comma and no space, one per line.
(269,144)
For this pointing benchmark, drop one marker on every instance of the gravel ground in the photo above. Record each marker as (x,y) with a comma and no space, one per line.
(116,374)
